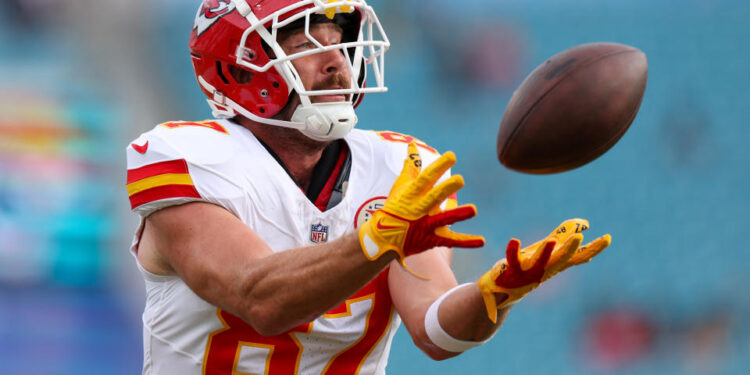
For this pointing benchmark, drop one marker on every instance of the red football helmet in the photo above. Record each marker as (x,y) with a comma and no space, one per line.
(243,71)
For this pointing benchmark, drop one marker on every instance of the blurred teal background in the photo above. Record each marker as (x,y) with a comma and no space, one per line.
(80,79)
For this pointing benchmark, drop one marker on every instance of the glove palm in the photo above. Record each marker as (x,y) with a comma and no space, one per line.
(524,270)
(411,220)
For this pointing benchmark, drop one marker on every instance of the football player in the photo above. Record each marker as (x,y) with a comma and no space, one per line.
(277,239)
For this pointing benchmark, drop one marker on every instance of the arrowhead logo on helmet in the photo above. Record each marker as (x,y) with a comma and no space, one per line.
(210,12)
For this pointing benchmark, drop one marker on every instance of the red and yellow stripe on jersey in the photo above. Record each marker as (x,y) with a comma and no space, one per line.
(167,179)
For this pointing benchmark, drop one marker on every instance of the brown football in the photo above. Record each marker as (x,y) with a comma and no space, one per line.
(573,108)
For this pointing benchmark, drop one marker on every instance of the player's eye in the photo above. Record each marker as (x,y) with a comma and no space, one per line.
(304,45)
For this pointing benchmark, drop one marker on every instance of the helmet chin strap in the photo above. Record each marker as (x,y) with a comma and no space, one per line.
(318,121)
(326,121)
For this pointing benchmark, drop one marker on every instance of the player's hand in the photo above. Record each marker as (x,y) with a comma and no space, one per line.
(562,233)
(525,269)
(411,219)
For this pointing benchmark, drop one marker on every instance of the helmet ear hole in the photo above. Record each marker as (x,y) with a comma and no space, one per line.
(220,72)
(241,76)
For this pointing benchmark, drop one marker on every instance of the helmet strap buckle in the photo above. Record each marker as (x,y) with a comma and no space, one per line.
(220,110)
(219,98)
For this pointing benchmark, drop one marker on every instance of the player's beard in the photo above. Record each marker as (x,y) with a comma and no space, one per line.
(294,139)
(335,80)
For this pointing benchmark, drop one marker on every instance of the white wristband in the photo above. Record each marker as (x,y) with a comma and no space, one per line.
(441,338)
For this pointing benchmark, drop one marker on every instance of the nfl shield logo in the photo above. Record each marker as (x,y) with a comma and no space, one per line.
(318,233)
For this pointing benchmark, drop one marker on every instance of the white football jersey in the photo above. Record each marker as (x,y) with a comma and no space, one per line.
(220,162)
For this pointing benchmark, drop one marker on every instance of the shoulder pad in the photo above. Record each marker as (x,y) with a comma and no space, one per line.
(202,142)
(395,145)
(167,165)
(394,137)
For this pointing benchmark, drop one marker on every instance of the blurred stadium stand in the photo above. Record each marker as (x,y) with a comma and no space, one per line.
(80,79)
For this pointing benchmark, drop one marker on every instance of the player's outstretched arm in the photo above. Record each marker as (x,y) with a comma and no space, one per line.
(461,313)
(445,320)
(229,265)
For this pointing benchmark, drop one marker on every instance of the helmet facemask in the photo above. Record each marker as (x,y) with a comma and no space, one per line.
(363,45)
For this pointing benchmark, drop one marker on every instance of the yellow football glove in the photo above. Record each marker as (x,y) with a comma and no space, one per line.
(411,220)
(524,270)
(561,234)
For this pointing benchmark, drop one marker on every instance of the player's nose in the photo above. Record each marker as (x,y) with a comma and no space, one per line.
(335,61)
